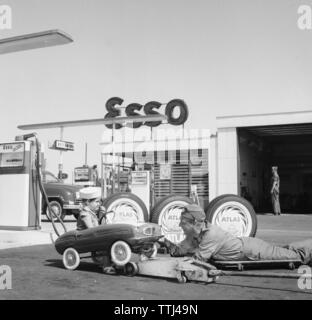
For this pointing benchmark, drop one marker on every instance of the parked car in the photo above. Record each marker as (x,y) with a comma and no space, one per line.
(116,241)
(63,197)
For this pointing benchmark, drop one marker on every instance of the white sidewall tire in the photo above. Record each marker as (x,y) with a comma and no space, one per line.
(161,212)
(71,254)
(123,203)
(127,207)
(120,245)
(233,214)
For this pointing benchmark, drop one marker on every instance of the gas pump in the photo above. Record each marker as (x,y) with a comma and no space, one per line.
(83,176)
(141,186)
(20,198)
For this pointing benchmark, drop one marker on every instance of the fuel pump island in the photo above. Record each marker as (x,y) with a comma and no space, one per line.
(20,199)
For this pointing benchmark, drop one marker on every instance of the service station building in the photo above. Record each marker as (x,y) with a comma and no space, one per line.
(243,149)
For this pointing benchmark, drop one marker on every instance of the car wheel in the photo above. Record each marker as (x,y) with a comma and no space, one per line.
(131,269)
(71,259)
(167,213)
(120,253)
(56,207)
(125,207)
(233,214)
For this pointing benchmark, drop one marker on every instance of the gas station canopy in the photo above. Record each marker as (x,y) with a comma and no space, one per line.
(88,122)
(34,40)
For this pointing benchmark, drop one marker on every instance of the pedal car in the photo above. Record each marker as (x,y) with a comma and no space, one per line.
(116,242)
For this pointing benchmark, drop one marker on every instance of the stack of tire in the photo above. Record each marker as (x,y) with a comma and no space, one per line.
(231,212)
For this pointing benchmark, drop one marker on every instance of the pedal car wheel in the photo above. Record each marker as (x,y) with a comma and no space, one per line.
(71,259)
(120,253)
(131,269)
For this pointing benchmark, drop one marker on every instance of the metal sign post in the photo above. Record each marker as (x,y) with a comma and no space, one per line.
(61,156)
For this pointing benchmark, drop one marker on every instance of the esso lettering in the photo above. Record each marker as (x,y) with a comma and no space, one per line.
(113,107)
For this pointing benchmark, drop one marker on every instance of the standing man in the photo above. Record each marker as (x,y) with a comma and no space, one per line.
(275,182)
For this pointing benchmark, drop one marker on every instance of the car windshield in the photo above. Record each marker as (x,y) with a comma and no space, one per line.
(48,177)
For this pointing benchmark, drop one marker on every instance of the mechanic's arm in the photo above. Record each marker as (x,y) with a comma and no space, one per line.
(178,250)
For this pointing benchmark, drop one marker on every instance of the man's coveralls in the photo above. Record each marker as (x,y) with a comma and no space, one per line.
(213,243)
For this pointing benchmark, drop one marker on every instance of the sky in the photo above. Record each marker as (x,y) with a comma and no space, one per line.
(220,57)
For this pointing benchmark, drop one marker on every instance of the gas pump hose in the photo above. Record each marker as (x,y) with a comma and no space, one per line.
(43,192)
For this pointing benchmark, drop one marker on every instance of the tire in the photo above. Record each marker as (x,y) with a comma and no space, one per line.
(131,269)
(127,207)
(120,253)
(57,207)
(167,213)
(233,214)
(71,259)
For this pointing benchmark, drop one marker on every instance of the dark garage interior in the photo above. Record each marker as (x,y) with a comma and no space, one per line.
(289,147)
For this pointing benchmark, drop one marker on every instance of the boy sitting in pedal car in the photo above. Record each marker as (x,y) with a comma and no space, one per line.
(91,212)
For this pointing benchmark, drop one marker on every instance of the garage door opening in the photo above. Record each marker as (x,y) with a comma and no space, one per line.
(289,147)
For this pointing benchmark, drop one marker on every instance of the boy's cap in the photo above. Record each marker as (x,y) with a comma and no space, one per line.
(90,193)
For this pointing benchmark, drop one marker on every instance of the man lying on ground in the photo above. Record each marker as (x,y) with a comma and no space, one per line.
(208,242)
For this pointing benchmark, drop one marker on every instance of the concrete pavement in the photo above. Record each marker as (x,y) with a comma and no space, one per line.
(15,239)
(38,271)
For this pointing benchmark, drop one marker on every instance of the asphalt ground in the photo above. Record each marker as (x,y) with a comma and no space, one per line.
(38,273)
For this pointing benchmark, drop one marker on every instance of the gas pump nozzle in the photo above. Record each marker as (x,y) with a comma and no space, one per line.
(25,136)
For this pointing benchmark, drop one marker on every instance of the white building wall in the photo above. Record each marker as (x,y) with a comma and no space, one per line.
(227,161)
(213,167)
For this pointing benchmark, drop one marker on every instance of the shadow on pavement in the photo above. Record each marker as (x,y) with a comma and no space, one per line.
(83,266)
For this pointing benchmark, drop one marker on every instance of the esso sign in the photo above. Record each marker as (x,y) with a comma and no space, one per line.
(150,108)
